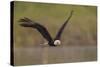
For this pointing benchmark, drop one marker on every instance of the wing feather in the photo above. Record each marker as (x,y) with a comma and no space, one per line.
(29,23)
(58,36)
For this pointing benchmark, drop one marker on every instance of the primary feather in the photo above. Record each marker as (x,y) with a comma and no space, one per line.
(58,36)
(29,23)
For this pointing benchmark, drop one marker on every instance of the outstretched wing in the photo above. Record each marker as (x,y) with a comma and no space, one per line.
(58,36)
(29,23)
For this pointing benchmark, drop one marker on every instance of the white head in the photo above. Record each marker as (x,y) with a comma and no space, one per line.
(57,42)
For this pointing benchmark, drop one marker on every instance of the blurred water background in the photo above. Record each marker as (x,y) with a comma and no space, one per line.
(78,42)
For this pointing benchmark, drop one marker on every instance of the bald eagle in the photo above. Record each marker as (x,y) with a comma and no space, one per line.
(26,22)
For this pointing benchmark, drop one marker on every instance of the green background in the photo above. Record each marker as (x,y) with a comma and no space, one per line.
(78,41)
(81,28)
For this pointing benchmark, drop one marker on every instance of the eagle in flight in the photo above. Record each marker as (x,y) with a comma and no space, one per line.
(26,22)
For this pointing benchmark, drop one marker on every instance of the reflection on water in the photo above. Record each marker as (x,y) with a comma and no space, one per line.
(60,54)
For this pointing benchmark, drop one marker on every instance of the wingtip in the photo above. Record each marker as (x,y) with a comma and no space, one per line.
(21,20)
(25,19)
(72,11)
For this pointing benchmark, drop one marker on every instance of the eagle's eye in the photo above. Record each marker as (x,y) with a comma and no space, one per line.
(57,42)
